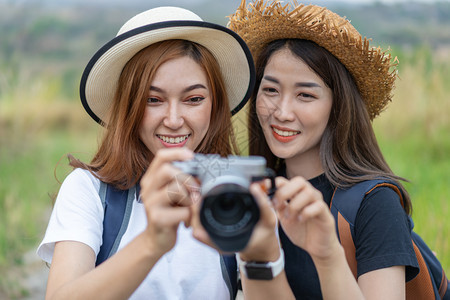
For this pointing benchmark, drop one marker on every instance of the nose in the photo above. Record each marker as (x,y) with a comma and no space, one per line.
(174,116)
(283,109)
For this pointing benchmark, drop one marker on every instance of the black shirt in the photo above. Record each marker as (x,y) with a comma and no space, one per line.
(382,239)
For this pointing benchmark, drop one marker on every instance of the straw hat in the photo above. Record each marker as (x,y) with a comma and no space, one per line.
(374,72)
(101,75)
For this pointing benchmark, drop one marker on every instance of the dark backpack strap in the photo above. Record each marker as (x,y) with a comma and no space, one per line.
(230,273)
(117,205)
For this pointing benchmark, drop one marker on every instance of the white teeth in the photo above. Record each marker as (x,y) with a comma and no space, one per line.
(285,133)
(172,140)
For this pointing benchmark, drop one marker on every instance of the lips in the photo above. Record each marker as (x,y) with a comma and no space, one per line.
(173,141)
(284,135)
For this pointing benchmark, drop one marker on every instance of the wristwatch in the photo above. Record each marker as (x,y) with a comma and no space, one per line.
(261,270)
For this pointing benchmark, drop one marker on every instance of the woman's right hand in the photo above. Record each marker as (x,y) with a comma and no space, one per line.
(167,194)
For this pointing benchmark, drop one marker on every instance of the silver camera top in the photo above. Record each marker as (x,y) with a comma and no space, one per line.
(213,170)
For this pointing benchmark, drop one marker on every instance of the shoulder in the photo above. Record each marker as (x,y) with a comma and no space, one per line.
(381,210)
(80,178)
(80,188)
(77,214)
(383,197)
(380,213)
(382,203)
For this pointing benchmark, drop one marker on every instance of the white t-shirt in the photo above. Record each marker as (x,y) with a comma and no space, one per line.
(191,270)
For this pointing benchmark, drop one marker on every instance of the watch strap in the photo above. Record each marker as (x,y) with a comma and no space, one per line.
(261,270)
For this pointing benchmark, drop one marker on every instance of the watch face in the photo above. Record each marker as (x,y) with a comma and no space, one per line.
(258,271)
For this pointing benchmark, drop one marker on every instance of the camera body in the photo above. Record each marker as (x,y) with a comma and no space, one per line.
(228,211)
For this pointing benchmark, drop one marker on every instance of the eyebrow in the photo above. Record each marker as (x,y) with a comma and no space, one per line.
(297,84)
(188,89)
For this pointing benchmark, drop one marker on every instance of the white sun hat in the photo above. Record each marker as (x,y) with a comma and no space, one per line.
(101,75)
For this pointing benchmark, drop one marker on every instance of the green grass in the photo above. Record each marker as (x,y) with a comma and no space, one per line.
(414,136)
(428,172)
(37,129)
(28,177)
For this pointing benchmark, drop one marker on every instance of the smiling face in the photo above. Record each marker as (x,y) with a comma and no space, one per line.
(293,107)
(179,106)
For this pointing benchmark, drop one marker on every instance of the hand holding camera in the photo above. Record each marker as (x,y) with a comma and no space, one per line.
(228,212)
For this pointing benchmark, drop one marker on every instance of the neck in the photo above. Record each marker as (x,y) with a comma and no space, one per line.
(307,165)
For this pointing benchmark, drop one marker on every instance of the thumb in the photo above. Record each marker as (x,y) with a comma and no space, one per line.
(267,213)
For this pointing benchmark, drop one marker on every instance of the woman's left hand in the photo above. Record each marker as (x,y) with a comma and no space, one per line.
(305,217)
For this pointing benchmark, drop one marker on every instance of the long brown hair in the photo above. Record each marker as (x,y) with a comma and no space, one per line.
(349,151)
(122,158)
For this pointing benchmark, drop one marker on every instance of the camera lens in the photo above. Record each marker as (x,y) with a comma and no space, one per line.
(229,213)
(229,208)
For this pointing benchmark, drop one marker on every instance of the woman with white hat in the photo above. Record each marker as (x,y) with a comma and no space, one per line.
(318,87)
(163,88)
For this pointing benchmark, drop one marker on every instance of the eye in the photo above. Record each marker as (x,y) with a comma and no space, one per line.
(195,100)
(270,90)
(306,97)
(153,100)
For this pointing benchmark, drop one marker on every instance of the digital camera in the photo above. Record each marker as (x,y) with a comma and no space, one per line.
(228,211)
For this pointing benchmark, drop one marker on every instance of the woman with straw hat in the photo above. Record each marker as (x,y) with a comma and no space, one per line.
(164,87)
(319,85)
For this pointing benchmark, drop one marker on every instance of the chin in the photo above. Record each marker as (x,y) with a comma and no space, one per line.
(280,153)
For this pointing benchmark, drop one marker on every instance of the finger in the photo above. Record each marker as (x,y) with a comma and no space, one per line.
(302,199)
(265,185)
(200,234)
(177,194)
(311,211)
(198,231)
(286,190)
(266,211)
(289,189)
(280,181)
(159,183)
(169,216)
(183,190)
(317,210)
(159,171)
(155,199)
(168,155)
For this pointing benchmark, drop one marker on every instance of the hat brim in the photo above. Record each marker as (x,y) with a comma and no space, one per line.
(100,77)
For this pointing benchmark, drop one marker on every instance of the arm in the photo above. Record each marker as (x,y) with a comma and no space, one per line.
(387,283)
(73,274)
(264,246)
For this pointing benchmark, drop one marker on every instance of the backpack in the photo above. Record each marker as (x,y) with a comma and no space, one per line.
(431,281)
(117,205)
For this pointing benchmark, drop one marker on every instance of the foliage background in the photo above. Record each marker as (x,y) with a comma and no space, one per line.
(44,46)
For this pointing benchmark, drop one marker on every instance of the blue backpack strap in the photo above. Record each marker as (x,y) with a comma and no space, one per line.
(117,205)
(230,273)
